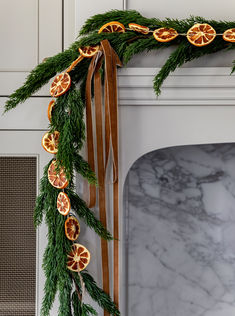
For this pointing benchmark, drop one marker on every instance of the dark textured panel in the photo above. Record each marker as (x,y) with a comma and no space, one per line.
(18,184)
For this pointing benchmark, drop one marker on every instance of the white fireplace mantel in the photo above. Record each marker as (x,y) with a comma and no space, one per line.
(196,106)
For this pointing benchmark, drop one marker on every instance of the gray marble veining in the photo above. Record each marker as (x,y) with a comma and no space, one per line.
(180,214)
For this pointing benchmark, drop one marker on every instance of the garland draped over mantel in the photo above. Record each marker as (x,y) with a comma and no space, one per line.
(89,70)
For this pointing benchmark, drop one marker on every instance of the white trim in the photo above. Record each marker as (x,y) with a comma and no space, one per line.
(186,86)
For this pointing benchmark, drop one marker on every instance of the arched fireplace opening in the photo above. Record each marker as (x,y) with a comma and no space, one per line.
(179,209)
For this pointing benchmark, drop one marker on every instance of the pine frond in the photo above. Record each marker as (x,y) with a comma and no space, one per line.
(183,53)
(79,206)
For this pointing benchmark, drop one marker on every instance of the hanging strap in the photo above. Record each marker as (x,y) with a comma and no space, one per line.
(101,175)
(111,142)
(90,194)
(111,129)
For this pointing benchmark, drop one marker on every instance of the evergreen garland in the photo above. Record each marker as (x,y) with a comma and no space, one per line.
(68,119)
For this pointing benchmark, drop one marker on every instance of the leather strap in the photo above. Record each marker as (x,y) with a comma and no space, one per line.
(111,141)
(101,174)
(90,195)
(111,128)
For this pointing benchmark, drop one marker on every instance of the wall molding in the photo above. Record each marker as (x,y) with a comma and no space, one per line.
(186,86)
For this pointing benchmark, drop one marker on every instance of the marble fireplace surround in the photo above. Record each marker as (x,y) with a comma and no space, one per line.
(197,106)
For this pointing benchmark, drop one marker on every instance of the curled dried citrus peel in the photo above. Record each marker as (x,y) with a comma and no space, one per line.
(50,142)
(60,85)
(50,109)
(164,34)
(138,28)
(229,35)
(78,258)
(63,204)
(201,34)
(57,179)
(112,27)
(72,228)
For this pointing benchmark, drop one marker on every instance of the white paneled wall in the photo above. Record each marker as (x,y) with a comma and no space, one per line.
(30,30)
(181,9)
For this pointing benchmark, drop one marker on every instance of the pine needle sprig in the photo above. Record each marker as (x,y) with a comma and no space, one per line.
(139,46)
(183,53)
(95,22)
(49,262)
(98,295)
(50,287)
(42,201)
(82,167)
(63,246)
(39,76)
(81,309)
(82,211)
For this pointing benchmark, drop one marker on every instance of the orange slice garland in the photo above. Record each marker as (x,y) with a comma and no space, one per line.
(112,27)
(50,142)
(60,85)
(138,28)
(78,258)
(201,34)
(88,51)
(57,179)
(72,228)
(50,109)
(63,204)
(229,35)
(165,34)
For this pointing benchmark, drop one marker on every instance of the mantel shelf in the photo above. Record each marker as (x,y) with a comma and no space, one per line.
(186,86)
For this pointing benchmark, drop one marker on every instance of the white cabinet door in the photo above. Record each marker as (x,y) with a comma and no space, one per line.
(30,31)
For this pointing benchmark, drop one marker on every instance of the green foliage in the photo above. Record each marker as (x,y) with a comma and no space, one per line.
(40,76)
(183,53)
(79,206)
(68,119)
(63,246)
(81,309)
(96,293)
(45,200)
(49,262)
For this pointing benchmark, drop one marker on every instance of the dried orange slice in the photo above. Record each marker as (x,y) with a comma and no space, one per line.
(164,34)
(63,203)
(112,27)
(88,51)
(229,35)
(201,34)
(138,28)
(49,109)
(60,85)
(50,142)
(78,258)
(57,179)
(72,228)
